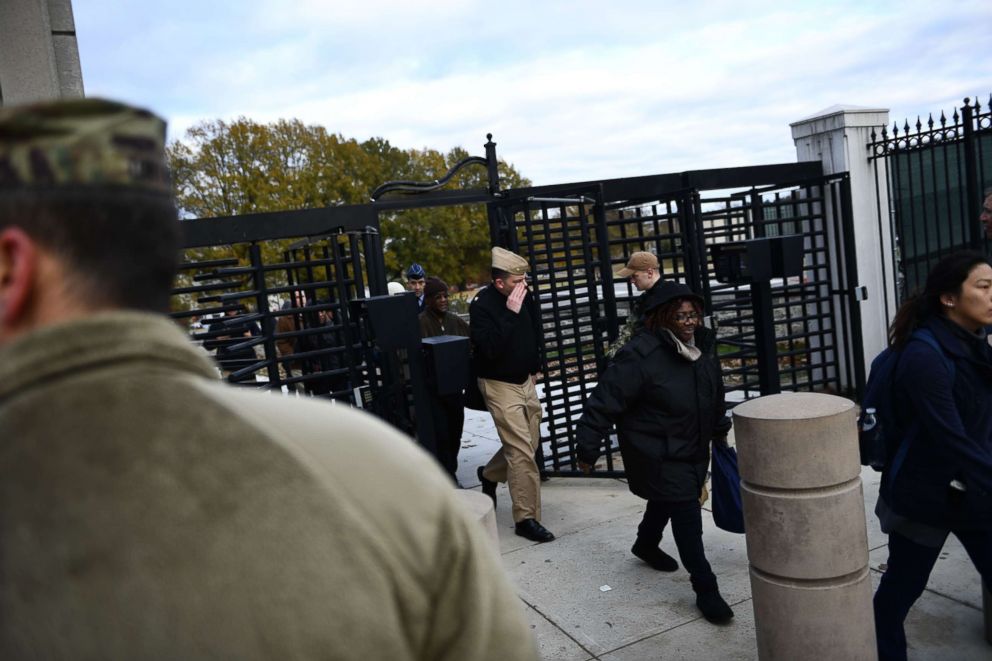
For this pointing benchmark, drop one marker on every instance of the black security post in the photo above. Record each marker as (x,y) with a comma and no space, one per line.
(764,316)
(764,332)
(755,263)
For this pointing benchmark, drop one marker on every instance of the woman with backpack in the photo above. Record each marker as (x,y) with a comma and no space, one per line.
(664,391)
(938,478)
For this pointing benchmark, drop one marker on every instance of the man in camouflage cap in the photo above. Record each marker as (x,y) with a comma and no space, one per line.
(148,510)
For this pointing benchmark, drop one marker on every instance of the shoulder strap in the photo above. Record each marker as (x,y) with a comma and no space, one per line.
(927,336)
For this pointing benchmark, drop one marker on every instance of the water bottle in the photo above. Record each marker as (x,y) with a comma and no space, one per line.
(870,444)
(868,421)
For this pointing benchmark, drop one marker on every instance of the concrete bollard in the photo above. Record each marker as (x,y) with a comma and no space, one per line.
(804,513)
(480,508)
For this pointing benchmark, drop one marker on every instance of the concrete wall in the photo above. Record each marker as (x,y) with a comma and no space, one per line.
(39,58)
(837,137)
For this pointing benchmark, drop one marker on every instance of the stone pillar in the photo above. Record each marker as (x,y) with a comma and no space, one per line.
(39,58)
(804,513)
(838,137)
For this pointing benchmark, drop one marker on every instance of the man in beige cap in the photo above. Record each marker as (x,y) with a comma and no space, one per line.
(644,273)
(148,510)
(506,330)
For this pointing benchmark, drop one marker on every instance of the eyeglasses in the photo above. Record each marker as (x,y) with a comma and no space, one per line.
(683,317)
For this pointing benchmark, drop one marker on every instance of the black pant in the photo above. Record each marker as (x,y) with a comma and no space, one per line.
(905,579)
(687,528)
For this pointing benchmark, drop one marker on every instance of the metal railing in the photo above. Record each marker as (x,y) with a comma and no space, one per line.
(932,176)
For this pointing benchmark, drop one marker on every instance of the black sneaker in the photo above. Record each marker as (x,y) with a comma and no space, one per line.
(655,557)
(533,531)
(488,486)
(713,607)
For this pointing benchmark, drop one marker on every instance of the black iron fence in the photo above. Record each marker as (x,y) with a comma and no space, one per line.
(930,180)
(282,299)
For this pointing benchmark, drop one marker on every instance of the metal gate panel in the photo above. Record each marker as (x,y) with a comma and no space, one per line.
(559,237)
(814,314)
(808,311)
(232,296)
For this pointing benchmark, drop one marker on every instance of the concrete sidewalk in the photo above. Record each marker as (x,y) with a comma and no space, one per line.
(587,597)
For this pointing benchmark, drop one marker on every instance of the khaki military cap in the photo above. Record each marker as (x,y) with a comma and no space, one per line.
(87,142)
(511,262)
(639,261)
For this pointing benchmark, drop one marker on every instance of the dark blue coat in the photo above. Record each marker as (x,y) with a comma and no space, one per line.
(949,427)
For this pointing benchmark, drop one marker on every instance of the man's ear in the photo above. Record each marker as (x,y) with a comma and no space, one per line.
(18,277)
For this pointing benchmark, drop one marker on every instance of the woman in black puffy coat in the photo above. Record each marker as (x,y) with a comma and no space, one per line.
(664,392)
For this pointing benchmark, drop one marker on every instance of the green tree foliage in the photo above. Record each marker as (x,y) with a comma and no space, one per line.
(450,242)
(230,168)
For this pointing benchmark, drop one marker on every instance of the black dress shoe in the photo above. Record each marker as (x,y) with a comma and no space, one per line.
(488,486)
(533,531)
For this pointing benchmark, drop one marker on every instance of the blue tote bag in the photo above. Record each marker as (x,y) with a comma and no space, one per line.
(725,487)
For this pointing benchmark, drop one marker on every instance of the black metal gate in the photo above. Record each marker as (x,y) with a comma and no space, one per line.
(271,295)
(248,274)
(574,237)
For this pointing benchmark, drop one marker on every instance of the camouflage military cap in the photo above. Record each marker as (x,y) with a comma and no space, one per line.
(83,142)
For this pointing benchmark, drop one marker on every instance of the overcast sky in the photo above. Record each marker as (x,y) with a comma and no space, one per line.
(571,90)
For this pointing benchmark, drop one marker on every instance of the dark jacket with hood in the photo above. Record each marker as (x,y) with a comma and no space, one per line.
(948,424)
(666,409)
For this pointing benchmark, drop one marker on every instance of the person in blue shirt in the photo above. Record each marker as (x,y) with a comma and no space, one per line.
(939,476)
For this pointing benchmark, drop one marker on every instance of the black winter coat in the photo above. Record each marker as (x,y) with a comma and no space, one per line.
(505,345)
(666,409)
(953,419)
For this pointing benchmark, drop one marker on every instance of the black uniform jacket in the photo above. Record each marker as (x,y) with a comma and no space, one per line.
(505,344)
(666,409)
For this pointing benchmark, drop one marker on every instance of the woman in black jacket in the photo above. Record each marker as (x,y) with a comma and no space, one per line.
(664,392)
(939,478)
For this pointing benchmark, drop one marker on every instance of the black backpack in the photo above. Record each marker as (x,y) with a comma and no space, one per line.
(879,441)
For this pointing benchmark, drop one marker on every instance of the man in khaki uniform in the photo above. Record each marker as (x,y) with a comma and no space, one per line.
(505,330)
(148,510)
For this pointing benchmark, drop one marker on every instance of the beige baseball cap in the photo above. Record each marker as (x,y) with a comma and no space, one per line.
(639,261)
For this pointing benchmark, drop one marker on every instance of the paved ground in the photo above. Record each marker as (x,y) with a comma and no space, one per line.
(588,598)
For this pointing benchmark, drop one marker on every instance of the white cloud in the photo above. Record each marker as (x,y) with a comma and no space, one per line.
(572,91)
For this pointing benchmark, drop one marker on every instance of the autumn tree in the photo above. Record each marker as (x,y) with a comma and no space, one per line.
(450,242)
(230,168)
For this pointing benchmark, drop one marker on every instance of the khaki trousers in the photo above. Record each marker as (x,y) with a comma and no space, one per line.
(516,410)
